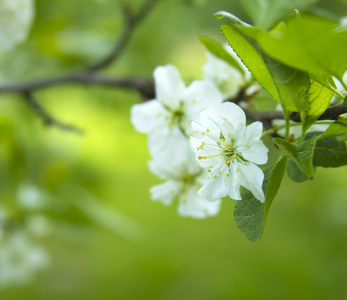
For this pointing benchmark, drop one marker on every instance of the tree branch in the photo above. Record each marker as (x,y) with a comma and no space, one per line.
(332,113)
(144,86)
(130,22)
(47,119)
(266,116)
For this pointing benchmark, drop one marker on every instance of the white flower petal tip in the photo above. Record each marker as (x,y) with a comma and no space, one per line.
(182,183)
(230,154)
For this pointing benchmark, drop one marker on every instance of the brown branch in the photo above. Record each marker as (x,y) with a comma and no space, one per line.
(144,86)
(266,116)
(131,21)
(332,113)
(88,76)
(47,119)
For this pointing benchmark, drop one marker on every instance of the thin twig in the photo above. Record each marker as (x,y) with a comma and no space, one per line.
(47,119)
(144,86)
(130,22)
(332,113)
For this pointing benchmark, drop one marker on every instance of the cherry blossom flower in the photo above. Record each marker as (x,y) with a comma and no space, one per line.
(227,78)
(166,119)
(20,259)
(230,151)
(182,182)
(16,17)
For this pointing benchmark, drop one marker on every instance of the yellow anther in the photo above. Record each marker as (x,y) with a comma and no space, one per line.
(209,170)
(198,165)
(246,146)
(194,101)
(233,157)
(203,133)
(228,145)
(202,157)
(229,135)
(245,164)
(227,174)
(215,176)
(197,148)
(208,130)
(218,143)
(219,172)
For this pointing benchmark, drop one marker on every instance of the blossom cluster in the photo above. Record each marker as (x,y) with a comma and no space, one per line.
(22,255)
(16,17)
(200,145)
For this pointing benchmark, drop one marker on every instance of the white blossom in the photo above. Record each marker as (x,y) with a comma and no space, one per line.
(166,119)
(230,151)
(20,259)
(182,182)
(16,17)
(227,78)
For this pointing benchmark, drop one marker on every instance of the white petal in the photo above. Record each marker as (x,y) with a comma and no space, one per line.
(205,127)
(199,95)
(224,113)
(209,148)
(256,153)
(252,178)
(213,189)
(233,183)
(168,85)
(169,146)
(147,116)
(227,78)
(165,192)
(192,205)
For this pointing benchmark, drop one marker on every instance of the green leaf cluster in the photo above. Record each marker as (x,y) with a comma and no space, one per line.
(294,61)
(250,214)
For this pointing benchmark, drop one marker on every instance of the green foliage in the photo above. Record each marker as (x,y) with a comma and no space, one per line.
(294,172)
(218,50)
(319,98)
(266,13)
(286,85)
(309,44)
(330,153)
(338,128)
(250,214)
(301,154)
(251,58)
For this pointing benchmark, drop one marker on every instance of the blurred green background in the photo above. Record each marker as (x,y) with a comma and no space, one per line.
(144,250)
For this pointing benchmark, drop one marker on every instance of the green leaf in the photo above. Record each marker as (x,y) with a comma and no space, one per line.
(266,13)
(294,172)
(325,80)
(224,14)
(319,98)
(292,85)
(251,59)
(218,50)
(301,154)
(250,214)
(330,153)
(286,85)
(309,44)
(338,128)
